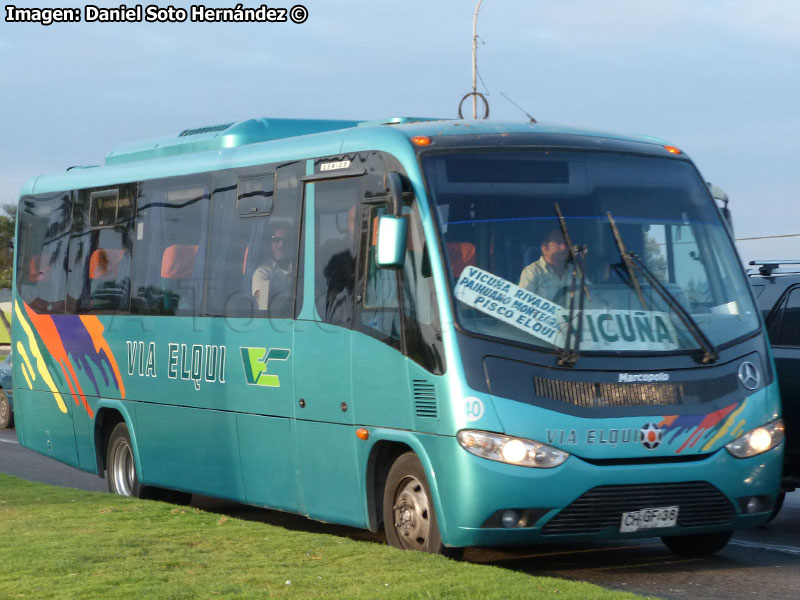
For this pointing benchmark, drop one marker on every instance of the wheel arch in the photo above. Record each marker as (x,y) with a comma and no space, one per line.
(107,415)
(383,453)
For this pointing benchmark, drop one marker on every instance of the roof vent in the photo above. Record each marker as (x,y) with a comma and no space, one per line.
(209,129)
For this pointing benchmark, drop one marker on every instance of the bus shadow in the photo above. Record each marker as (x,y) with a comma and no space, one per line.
(290,521)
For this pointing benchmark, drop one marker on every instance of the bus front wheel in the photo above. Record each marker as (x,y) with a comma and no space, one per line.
(408,514)
(701,544)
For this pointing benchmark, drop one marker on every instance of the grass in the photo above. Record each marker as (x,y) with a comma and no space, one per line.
(4,337)
(65,543)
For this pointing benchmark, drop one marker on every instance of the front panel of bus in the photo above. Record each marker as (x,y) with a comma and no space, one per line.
(612,357)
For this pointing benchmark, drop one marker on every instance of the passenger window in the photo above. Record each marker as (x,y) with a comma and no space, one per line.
(335,219)
(789,334)
(253,253)
(170,245)
(100,250)
(43,237)
(111,206)
(255,195)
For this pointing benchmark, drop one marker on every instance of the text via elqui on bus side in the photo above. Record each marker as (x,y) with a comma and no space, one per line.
(197,362)
(152,13)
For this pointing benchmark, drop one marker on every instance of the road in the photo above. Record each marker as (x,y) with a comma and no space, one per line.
(758,563)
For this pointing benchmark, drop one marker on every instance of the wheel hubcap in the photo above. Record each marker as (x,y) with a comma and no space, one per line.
(412,514)
(122,469)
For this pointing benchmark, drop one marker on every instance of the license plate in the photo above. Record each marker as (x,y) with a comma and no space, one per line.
(649,518)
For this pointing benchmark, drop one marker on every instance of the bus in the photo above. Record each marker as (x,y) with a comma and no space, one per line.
(464,333)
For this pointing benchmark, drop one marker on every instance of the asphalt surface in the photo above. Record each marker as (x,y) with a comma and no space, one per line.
(757,563)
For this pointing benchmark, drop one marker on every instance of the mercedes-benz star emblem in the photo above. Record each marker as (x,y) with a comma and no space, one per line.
(749,375)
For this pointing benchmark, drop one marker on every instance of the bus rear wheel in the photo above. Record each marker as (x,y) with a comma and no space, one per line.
(121,468)
(409,517)
(701,544)
(122,477)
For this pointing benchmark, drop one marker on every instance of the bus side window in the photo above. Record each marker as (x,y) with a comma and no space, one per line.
(379,314)
(336,216)
(100,250)
(43,237)
(421,315)
(170,245)
(249,273)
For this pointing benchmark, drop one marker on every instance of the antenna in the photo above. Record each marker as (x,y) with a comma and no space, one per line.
(475,94)
(527,114)
(475,60)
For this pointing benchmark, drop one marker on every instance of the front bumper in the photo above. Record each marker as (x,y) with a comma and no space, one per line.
(471,491)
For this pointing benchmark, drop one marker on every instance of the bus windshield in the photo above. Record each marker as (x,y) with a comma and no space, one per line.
(649,267)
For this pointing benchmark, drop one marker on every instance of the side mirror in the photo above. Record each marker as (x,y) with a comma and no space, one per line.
(720,195)
(391,249)
(726,215)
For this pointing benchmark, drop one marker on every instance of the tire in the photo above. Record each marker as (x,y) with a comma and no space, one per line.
(121,472)
(120,466)
(409,517)
(6,414)
(701,544)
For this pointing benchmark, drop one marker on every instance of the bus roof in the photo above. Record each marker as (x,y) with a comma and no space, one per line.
(256,141)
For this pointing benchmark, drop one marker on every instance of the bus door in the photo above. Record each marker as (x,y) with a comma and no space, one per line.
(250,284)
(325,435)
(380,376)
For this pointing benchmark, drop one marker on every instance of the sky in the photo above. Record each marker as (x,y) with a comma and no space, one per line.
(719,79)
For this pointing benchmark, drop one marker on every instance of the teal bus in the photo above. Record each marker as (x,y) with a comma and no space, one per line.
(463,333)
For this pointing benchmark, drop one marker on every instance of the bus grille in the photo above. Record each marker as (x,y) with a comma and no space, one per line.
(596,395)
(425,399)
(600,508)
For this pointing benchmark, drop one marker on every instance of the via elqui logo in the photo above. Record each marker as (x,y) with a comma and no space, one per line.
(651,436)
(255,362)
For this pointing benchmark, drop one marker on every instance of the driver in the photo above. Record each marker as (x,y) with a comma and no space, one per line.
(549,275)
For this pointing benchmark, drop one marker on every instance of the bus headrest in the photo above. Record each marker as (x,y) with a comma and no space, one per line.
(104,263)
(178,261)
(461,255)
(38,268)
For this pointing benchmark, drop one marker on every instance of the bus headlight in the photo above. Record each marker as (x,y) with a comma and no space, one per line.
(511,450)
(757,440)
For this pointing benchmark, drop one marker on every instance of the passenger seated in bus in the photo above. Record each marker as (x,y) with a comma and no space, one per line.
(549,276)
(272,280)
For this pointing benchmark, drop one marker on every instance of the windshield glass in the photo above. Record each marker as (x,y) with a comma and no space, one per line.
(514,277)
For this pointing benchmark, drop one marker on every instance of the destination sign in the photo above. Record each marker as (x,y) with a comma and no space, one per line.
(602,328)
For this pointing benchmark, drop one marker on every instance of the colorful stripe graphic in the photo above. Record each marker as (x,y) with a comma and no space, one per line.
(698,426)
(726,426)
(77,344)
(41,365)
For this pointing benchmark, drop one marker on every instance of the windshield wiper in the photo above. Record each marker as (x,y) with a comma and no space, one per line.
(710,354)
(626,258)
(567,356)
